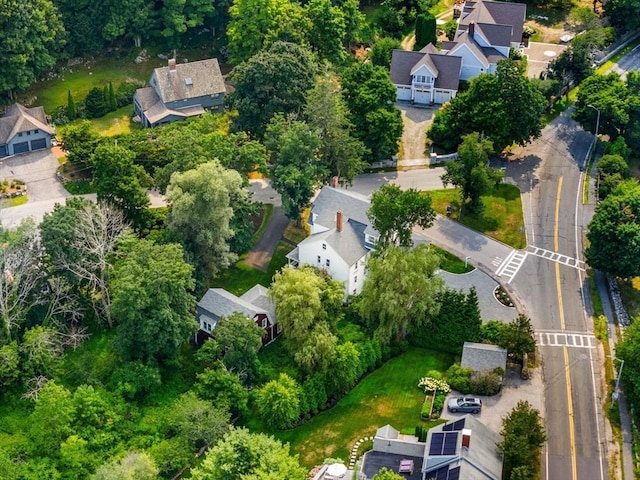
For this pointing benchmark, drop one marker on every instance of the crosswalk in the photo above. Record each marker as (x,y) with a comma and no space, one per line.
(511,265)
(566,339)
(556,257)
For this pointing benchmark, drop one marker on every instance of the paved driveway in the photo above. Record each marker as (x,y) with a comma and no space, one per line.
(38,171)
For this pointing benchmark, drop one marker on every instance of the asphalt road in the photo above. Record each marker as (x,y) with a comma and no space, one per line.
(551,288)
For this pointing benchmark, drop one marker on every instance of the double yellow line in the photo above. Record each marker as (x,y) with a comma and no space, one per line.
(567,373)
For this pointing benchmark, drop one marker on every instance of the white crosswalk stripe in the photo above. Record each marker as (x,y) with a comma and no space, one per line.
(566,339)
(556,257)
(511,265)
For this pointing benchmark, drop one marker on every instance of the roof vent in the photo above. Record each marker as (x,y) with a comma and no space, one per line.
(188,81)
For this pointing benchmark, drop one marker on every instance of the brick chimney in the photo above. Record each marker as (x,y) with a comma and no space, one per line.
(472,28)
(335,181)
(466,437)
(339,220)
(172,65)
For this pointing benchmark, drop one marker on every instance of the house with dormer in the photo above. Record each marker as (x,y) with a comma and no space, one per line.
(180,91)
(255,304)
(463,449)
(487,30)
(341,239)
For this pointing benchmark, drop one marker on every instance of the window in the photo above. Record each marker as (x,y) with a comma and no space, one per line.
(319,259)
(264,322)
(328,262)
(28,132)
(20,134)
(36,131)
(355,279)
(324,246)
(355,291)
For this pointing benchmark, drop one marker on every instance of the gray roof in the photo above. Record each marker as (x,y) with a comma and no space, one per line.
(496,13)
(449,71)
(349,244)
(205,76)
(19,119)
(220,303)
(402,63)
(480,461)
(499,35)
(331,200)
(375,461)
(483,357)
(258,296)
(155,110)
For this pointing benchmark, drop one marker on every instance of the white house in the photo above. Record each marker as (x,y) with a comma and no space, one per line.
(341,238)
(486,32)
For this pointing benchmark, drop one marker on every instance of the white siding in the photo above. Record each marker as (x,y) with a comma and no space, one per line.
(310,251)
(403,92)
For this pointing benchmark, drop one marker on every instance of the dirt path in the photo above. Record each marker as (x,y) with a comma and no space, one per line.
(415,122)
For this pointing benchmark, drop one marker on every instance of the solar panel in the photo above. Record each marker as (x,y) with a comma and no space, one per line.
(458,425)
(441,474)
(437,440)
(454,474)
(450,443)
(448,427)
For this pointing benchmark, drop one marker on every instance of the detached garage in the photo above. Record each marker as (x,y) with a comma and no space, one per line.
(23,130)
(403,92)
(443,96)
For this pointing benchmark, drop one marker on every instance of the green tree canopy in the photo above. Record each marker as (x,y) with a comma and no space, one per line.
(152,301)
(278,402)
(394,213)
(80,140)
(328,29)
(272,81)
(505,108)
(471,171)
(612,170)
(370,97)
(382,49)
(202,208)
(614,232)
(197,421)
(401,291)
(241,454)
(134,465)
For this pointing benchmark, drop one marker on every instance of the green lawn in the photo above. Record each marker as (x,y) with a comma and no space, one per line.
(501,217)
(389,395)
(241,277)
(450,263)
(116,122)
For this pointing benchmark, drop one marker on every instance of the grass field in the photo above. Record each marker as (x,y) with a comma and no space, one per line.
(501,217)
(116,122)
(450,263)
(389,395)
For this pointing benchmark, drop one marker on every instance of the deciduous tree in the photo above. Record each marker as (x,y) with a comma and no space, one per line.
(471,171)
(223,389)
(614,232)
(197,421)
(612,170)
(153,301)
(241,454)
(382,49)
(394,213)
(278,402)
(401,291)
(138,465)
(522,438)
(328,29)
(239,339)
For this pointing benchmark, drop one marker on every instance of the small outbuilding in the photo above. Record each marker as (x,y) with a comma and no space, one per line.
(482,357)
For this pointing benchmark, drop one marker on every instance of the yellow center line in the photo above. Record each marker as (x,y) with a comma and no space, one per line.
(567,373)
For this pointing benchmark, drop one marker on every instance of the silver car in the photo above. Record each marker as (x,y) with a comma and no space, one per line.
(465,404)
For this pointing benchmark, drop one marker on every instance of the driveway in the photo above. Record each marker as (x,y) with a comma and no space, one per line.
(416,121)
(38,171)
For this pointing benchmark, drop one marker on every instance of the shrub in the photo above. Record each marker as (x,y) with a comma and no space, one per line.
(459,378)
(124,93)
(134,380)
(485,383)
(425,411)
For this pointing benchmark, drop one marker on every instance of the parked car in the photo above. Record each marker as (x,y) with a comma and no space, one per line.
(464,404)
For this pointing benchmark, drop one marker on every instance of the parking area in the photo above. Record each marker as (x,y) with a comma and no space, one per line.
(416,121)
(38,170)
(539,55)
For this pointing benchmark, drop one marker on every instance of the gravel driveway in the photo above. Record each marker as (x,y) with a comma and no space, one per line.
(416,121)
(38,171)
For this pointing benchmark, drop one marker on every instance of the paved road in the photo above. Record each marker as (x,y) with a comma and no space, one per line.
(549,281)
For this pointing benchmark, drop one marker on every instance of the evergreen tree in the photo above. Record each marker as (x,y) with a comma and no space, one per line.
(71,106)
(111,99)
(425,30)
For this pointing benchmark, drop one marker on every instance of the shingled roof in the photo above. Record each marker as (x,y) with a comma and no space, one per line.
(19,119)
(189,80)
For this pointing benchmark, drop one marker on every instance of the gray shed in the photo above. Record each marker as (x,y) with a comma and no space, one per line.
(481,357)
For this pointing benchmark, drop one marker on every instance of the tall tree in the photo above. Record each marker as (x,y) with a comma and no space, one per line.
(119,182)
(279,402)
(272,81)
(138,465)
(471,171)
(425,30)
(241,454)
(31,38)
(303,299)
(71,106)
(341,152)
(197,421)
(614,232)
(401,291)
(505,108)
(629,351)
(80,239)
(394,213)
(296,170)
(612,170)
(202,206)
(610,96)
(382,49)
(522,438)
(80,141)
(153,301)
(328,29)
(370,97)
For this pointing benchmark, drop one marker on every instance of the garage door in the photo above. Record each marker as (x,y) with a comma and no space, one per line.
(422,96)
(442,96)
(38,144)
(404,93)
(21,147)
